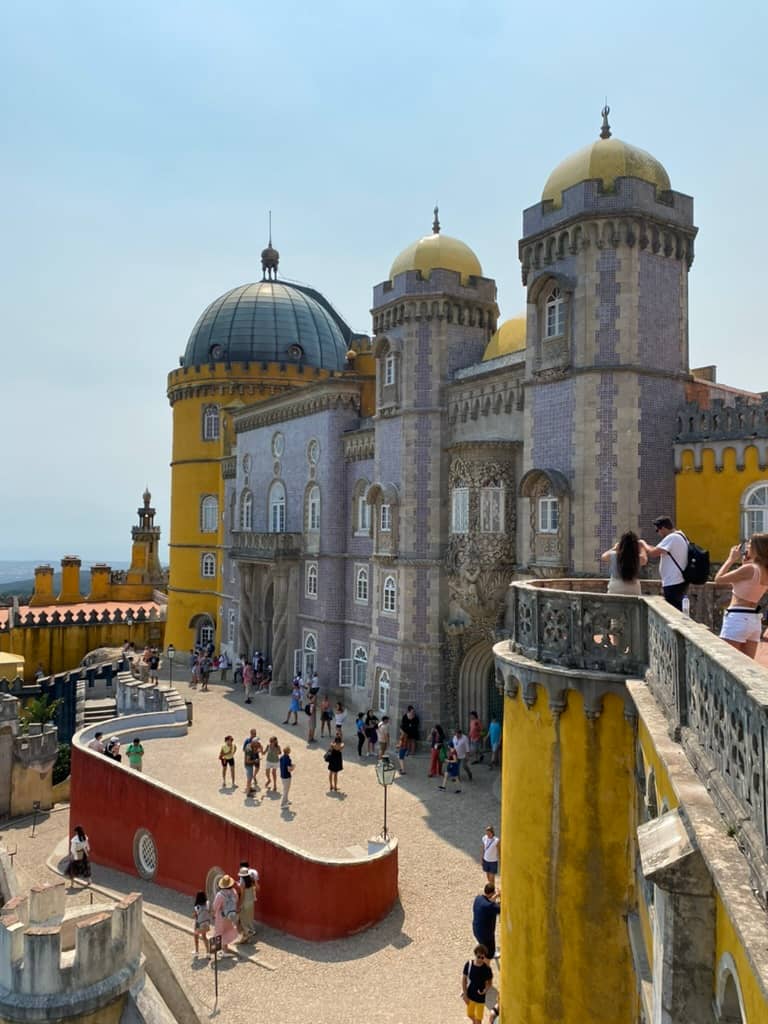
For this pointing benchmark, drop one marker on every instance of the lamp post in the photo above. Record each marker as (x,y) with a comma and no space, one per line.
(171,656)
(385,774)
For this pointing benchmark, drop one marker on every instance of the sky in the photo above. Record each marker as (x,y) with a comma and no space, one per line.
(143,144)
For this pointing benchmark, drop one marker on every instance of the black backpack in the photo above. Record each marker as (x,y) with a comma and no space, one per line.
(697,567)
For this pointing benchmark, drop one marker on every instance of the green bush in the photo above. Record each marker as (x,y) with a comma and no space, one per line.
(61,768)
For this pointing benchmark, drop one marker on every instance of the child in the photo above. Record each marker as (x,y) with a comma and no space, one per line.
(452,768)
(402,751)
(202,921)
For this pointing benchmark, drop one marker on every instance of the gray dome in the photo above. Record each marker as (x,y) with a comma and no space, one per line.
(270,322)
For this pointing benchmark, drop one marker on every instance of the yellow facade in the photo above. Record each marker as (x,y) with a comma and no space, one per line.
(708,500)
(567,817)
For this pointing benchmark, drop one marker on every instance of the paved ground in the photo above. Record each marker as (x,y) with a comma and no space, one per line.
(406,969)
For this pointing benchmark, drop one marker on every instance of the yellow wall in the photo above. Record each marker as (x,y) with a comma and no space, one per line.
(727,941)
(110,1014)
(708,503)
(567,822)
(28,785)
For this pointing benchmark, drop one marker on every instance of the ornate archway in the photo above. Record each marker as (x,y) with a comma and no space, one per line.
(477,685)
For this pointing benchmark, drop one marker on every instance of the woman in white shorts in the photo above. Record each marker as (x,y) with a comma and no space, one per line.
(742,622)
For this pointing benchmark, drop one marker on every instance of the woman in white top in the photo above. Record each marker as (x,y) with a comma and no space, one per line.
(742,622)
(79,849)
(625,558)
(490,854)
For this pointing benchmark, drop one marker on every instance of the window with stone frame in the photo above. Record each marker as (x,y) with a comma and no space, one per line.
(277,507)
(492,509)
(389,370)
(359,666)
(209,513)
(384,689)
(246,510)
(310,588)
(389,595)
(754,509)
(549,514)
(460,509)
(554,313)
(310,653)
(361,584)
(385,518)
(211,423)
(363,516)
(208,565)
(231,625)
(313,509)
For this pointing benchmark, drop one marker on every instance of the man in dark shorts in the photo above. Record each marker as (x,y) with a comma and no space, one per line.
(485,911)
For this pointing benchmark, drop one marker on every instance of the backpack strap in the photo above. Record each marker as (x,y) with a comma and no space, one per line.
(673,557)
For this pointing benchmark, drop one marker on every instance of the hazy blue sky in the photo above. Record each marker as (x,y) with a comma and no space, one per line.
(143,143)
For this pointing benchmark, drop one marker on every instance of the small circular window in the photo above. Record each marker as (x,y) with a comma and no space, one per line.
(313,451)
(145,853)
(278,445)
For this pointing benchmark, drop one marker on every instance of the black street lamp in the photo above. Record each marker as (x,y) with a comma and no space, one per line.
(171,656)
(385,773)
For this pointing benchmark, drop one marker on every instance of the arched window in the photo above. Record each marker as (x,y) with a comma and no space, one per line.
(460,510)
(208,565)
(206,631)
(359,667)
(384,689)
(386,519)
(311,580)
(389,370)
(361,585)
(549,514)
(754,509)
(313,509)
(491,509)
(233,510)
(209,514)
(361,510)
(246,510)
(210,423)
(310,654)
(277,507)
(555,314)
(389,602)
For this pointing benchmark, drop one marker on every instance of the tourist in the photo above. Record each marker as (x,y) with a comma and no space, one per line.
(194,678)
(252,758)
(295,705)
(112,748)
(625,559)
(248,677)
(461,746)
(409,723)
(402,750)
(494,739)
(672,549)
(79,855)
(144,665)
(154,667)
(360,731)
(272,757)
(371,731)
(742,622)
(339,717)
(476,979)
(314,685)
(225,912)
(287,768)
(436,751)
(97,743)
(451,769)
(205,671)
(326,716)
(382,736)
(311,710)
(224,665)
(201,918)
(39,672)
(475,737)
(135,753)
(490,856)
(227,759)
(335,761)
(248,884)
(485,911)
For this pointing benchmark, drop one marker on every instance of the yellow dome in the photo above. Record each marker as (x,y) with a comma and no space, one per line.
(606,160)
(509,338)
(435,252)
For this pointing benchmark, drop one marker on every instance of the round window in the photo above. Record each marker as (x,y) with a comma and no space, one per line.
(145,853)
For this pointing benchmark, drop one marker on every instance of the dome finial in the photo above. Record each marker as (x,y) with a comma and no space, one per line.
(270,258)
(436,222)
(605,131)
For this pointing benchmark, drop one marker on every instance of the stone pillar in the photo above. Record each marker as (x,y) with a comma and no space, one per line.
(282,634)
(684,921)
(70,580)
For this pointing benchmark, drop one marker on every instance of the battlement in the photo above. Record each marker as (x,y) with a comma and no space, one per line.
(38,746)
(53,966)
(739,417)
(130,616)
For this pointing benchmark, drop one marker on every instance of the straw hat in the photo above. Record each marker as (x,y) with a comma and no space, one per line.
(226,882)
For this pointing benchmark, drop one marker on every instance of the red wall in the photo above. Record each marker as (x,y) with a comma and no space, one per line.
(301,895)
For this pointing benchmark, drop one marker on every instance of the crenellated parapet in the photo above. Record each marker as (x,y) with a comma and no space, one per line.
(38,747)
(54,968)
(129,616)
(738,424)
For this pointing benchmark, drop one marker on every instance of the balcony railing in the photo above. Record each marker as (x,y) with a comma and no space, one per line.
(265,547)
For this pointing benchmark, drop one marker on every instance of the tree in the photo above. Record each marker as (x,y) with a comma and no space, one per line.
(38,710)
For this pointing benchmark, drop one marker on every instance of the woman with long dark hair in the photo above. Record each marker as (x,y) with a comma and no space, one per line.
(625,559)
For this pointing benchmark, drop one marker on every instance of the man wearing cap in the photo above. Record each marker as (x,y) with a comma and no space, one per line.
(672,549)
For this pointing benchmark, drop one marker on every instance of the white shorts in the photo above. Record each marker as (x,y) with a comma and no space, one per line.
(742,626)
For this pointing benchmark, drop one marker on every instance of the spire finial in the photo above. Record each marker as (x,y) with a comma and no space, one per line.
(436,222)
(605,131)
(270,258)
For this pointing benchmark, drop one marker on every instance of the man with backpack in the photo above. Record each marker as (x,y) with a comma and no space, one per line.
(672,549)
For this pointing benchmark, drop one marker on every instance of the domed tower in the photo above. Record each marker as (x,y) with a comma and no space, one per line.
(434,315)
(253,342)
(605,258)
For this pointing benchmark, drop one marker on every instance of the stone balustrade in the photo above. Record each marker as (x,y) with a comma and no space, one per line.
(265,547)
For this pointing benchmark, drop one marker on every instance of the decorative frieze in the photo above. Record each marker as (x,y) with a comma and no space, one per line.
(359,446)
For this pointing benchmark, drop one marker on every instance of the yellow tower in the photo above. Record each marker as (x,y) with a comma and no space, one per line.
(253,342)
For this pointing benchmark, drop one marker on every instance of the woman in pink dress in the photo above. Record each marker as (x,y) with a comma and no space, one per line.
(225,912)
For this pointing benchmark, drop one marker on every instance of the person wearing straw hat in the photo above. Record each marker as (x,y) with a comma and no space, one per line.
(225,912)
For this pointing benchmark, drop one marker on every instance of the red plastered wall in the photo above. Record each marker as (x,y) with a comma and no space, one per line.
(306,897)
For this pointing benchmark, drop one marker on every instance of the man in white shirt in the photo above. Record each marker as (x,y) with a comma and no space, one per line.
(672,549)
(461,746)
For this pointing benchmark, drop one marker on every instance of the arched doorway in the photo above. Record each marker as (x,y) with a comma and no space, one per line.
(205,630)
(477,686)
